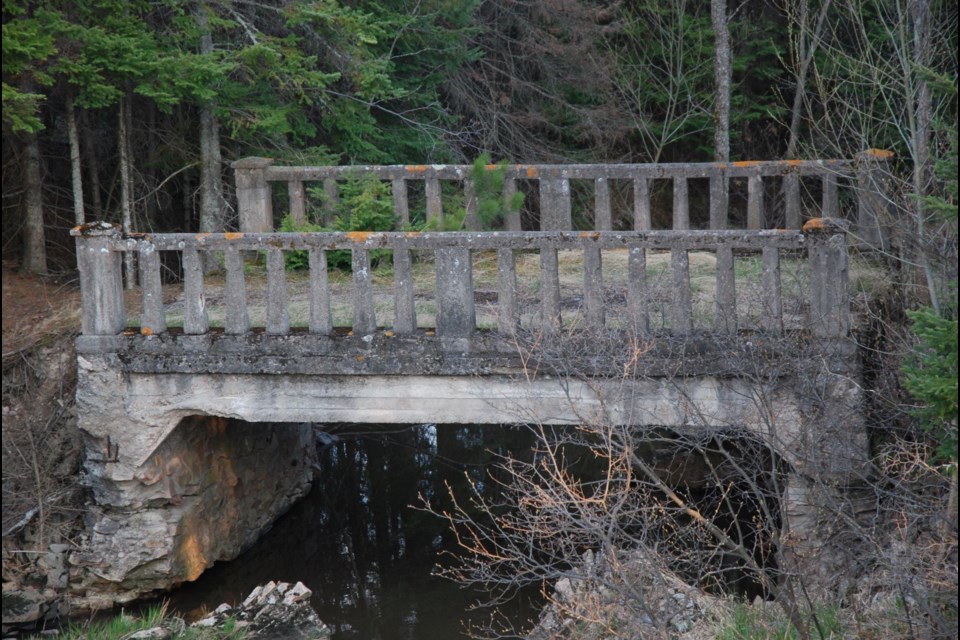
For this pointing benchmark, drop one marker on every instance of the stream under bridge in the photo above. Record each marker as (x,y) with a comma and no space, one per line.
(697,327)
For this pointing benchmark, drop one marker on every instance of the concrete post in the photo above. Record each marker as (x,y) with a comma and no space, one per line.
(101,279)
(456,316)
(254,201)
(873,202)
(829,300)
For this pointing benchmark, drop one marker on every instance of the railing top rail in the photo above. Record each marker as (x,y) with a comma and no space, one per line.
(479,240)
(571,171)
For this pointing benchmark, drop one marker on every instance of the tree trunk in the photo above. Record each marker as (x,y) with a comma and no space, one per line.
(76,170)
(126,192)
(150,169)
(211,197)
(806,48)
(722,71)
(922,118)
(34,246)
(89,150)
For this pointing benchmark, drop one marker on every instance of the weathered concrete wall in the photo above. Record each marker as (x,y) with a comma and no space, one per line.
(205,494)
(168,498)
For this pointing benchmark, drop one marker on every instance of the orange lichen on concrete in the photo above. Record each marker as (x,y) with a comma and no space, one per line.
(146,331)
(389,334)
(532,172)
(201,236)
(814,224)
(792,163)
(490,167)
(745,163)
(592,235)
(412,234)
(416,168)
(880,154)
(233,235)
(359,358)
(358,236)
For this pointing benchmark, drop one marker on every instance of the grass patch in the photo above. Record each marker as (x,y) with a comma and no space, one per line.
(125,624)
(769,623)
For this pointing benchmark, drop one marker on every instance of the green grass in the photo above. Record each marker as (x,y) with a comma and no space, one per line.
(124,624)
(770,623)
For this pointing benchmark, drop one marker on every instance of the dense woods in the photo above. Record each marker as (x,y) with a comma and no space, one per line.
(130,111)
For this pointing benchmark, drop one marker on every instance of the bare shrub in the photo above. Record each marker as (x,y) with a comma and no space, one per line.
(620,524)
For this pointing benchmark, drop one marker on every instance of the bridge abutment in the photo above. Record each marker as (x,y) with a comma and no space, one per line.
(211,488)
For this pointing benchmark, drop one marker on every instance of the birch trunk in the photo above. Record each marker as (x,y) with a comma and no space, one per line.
(126,191)
(76,169)
(722,70)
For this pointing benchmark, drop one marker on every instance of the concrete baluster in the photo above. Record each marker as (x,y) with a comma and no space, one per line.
(254,197)
(401,203)
(637,289)
(331,199)
(434,201)
(682,321)
(364,314)
(320,318)
(237,321)
(456,316)
(513,213)
(471,220)
(298,207)
(101,280)
(641,205)
(152,319)
(195,321)
(550,289)
(278,311)
(791,199)
(555,211)
(405,314)
(829,300)
(831,196)
(508,318)
(593,285)
(603,217)
(772,312)
(726,301)
(681,204)
(755,205)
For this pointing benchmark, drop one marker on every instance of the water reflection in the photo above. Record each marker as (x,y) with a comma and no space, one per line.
(360,546)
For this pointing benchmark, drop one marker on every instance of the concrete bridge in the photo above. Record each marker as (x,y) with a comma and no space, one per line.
(625,344)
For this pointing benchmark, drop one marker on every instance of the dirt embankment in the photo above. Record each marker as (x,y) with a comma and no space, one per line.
(42,497)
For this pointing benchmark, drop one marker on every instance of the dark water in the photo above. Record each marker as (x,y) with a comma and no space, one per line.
(358,542)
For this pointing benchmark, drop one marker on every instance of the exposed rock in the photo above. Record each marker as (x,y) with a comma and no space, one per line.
(596,602)
(26,607)
(206,495)
(274,611)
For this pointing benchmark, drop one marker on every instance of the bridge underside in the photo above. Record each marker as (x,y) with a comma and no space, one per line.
(802,399)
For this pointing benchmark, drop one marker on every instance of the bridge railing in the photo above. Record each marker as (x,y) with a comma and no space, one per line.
(824,306)
(855,189)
